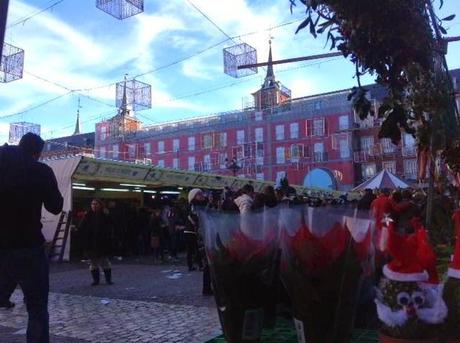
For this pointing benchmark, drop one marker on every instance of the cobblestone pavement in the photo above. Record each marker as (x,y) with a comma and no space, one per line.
(146,304)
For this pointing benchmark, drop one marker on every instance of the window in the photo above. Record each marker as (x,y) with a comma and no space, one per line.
(280,175)
(296,152)
(131,151)
(259,132)
(294,128)
(318,104)
(410,169)
(409,140)
(367,142)
(343,123)
(175,163)
(191,163)
(409,148)
(260,176)
(206,163)
(222,160)
(102,152)
(259,153)
(390,166)
(115,151)
(147,151)
(176,145)
(240,137)
(368,170)
(161,147)
(161,163)
(318,127)
(207,141)
(454,82)
(279,132)
(387,146)
(191,144)
(344,149)
(318,150)
(280,155)
(258,115)
(103,133)
(223,139)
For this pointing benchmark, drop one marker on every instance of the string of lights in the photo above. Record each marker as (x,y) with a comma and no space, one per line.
(23,20)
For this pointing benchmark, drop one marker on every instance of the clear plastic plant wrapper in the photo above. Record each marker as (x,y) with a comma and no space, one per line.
(243,255)
(326,254)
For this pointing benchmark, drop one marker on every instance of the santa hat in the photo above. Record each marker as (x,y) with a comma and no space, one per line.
(454,269)
(407,265)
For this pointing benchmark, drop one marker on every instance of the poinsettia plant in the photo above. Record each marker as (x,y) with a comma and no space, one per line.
(242,252)
(400,42)
(325,255)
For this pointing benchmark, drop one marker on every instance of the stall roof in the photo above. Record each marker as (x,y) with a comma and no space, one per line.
(91,169)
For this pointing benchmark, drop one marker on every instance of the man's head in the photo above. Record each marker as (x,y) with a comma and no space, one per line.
(32,145)
(247,189)
(97,205)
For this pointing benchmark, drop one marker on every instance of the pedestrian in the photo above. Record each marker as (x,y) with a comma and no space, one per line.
(157,229)
(22,253)
(98,231)
(7,287)
(196,199)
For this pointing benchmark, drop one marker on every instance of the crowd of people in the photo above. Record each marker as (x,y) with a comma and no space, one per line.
(160,232)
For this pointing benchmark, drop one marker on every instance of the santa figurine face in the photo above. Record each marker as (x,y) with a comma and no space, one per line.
(403,296)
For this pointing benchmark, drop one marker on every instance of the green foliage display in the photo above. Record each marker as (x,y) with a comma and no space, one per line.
(395,41)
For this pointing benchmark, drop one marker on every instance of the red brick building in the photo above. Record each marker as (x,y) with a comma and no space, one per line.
(315,140)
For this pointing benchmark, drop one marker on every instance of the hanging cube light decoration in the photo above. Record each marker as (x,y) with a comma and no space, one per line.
(121,9)
(11,64)
(239,55)
(138,94)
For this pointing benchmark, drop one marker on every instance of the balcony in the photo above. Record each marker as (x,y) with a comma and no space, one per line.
(409,151)
(320,156)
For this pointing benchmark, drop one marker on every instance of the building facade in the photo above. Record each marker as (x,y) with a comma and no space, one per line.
(315,140)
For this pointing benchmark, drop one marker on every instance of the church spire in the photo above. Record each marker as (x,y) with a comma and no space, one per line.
(123,110)
(270,77)
(77,124)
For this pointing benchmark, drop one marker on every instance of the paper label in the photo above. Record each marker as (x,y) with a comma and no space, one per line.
(300,331)
(252,324)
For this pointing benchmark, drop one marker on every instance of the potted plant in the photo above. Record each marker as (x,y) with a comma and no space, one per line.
(242,254)
(325,255)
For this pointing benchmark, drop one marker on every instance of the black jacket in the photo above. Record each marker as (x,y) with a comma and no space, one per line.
(98,233)
(21,209)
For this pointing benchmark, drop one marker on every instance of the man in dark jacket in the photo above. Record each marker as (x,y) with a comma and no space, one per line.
(22,253)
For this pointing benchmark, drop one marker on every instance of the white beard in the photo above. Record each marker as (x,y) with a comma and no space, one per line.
(437,310)
(389,317)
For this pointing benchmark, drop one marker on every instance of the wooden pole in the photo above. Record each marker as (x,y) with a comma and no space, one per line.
(3,16)
(290,60)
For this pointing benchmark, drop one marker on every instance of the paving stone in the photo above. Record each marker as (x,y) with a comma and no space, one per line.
(144,306)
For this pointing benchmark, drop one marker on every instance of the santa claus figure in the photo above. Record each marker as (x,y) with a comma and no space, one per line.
(452,288)
(409,297)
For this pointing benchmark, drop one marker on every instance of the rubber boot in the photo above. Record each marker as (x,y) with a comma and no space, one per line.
(108,276)
(96,278)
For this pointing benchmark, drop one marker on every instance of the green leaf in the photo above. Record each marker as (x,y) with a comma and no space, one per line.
(441,3)
(312,28)
(449,18)
(303,25)
(443,30)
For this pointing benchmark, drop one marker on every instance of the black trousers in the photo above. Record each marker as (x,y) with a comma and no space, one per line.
(191,247)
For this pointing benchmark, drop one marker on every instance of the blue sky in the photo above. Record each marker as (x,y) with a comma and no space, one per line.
(77,46)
